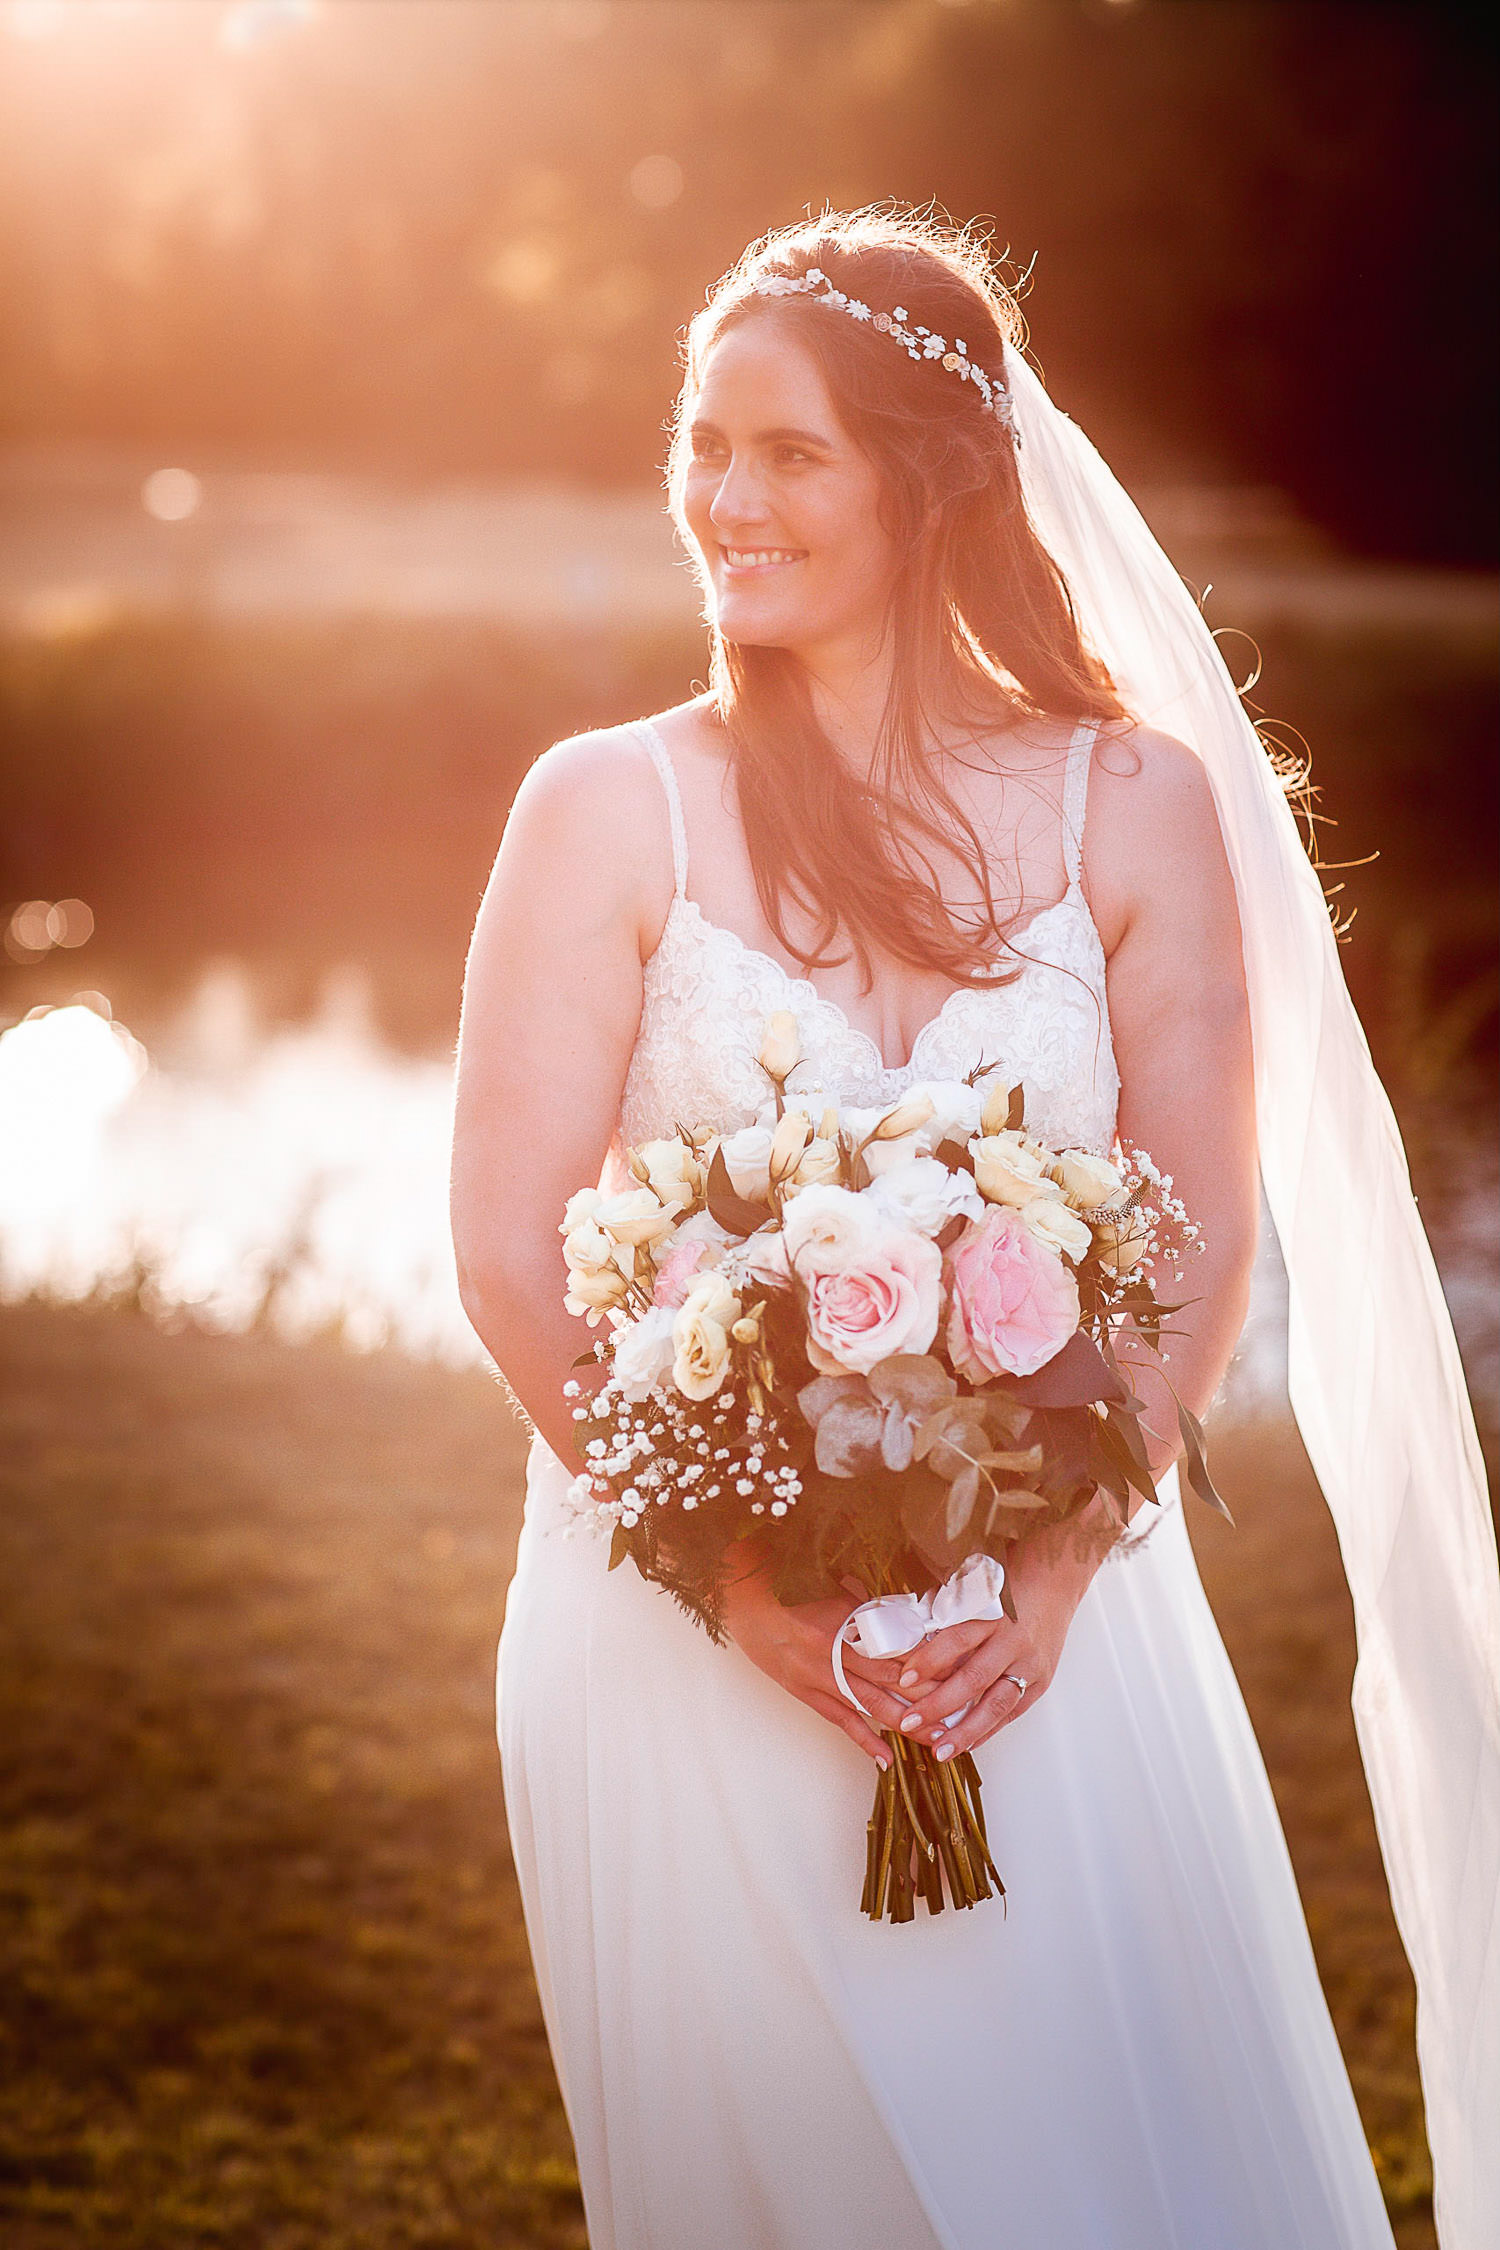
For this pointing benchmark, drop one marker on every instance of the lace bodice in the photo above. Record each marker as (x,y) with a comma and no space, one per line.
(708,994)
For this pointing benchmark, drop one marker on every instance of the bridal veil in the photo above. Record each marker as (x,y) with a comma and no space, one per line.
(1375,1379)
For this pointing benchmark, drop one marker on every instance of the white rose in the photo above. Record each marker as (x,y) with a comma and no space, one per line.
(956,1109)
(700,1336)
(884,1157)
(1088,1180)
(747,1154)
(635,1216)
(1051,1221)
(673,1171)
(925,1195)
(644,1352)
(763,1260)
(833,1222)
(1009,1168)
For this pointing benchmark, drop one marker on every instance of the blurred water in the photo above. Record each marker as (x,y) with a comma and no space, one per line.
(296,1179)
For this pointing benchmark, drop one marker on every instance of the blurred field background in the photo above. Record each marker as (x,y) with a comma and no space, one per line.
(341,339)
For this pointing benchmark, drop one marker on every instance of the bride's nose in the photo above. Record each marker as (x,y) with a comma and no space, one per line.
(739,501)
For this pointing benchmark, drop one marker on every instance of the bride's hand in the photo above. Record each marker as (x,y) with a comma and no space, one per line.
(794,1647)
(981,1664)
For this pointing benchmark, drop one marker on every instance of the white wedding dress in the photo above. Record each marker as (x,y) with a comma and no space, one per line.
(1135,2054)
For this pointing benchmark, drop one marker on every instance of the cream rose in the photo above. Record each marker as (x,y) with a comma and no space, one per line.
(700,1336)
(817,1166)
(580,1207)
(595,1293)
(790,1137)
(1052,1222)
(588,1249)
(673,1170)
(1121,1245)
(635,1216)
(905,1120)
(1088,1180)
(781,1048)
(1009,1168)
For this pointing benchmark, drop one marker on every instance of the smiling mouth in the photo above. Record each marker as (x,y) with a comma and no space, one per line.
(746,559)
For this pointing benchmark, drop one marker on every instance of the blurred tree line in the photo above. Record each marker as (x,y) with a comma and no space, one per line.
(461,237)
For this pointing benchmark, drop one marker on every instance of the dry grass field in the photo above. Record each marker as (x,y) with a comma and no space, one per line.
(264,1981)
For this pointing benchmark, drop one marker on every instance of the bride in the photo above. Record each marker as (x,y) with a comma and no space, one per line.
(969,784)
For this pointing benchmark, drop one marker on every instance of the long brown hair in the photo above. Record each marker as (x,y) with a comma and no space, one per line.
(982,627)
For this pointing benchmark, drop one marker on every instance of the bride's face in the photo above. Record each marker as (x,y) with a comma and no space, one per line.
(779,505)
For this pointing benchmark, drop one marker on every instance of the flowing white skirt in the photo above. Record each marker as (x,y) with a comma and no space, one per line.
(1135,2056)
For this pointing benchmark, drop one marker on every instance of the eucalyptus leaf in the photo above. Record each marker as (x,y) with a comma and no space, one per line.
(1024,1463)
(915,1382)
(897,1441)
(824,1391)
(962,1494)
(849,1434)
(950,1436)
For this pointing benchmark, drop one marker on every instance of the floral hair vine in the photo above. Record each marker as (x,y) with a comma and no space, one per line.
(918,342)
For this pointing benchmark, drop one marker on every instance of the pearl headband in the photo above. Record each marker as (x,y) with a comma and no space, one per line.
(918,342)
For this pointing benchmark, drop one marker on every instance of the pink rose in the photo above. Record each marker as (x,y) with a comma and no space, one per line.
(1015,1303)
(872,1289)
(676,1272)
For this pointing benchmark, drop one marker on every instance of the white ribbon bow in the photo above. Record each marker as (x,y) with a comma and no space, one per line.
(894,1623)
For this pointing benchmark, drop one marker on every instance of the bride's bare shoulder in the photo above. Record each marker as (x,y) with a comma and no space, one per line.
(1153,832)
(593,801)
(603,774)
(1142,776)
(608,775)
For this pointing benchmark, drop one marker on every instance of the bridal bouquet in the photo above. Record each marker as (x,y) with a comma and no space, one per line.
(867,1350)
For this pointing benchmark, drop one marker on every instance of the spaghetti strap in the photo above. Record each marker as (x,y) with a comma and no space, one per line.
(661,758)
(1076,798)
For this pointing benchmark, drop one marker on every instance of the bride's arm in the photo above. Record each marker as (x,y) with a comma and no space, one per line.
(1181,1024)
(552,999)
(1163,896)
